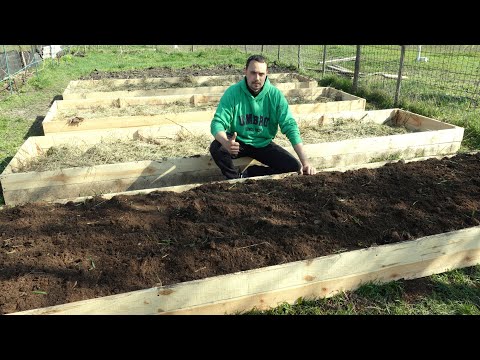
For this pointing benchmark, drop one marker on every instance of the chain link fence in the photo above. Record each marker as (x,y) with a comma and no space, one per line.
(443,70)
(437,73)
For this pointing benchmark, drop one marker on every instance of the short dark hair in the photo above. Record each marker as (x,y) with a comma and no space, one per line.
(258,58)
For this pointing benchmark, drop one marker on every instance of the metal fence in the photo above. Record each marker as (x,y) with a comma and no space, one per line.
(17,62)
(436,73)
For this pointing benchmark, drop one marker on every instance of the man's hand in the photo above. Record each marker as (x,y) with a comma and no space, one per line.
(308,169)
(232,146)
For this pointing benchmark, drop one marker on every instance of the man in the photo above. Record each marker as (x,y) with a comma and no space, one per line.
(247,120)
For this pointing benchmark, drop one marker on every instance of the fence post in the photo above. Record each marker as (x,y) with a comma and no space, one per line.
(357,69)
(22,57)
(261,51)
(8,70)
(246,49)
(299,47)
(278,53)
(34,62)
(324,59)
(193,48)
(399,78)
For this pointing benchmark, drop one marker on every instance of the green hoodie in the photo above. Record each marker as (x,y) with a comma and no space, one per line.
(255,119)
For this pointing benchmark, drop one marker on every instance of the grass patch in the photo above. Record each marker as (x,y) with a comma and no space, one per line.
(452,293)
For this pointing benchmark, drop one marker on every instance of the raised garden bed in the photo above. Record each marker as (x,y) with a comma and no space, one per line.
(115,88)
(199,252)
(429,137)
(95,114)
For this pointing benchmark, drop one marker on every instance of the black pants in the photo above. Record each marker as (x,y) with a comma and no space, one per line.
(277,159)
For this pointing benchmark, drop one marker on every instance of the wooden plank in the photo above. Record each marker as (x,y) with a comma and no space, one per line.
(176,91)
(86,86)
(340,69)
(393,76)
(198,80)
(51,185)
(128,121)
(377,116)
(181,188)
(196,121)
(268,286)
(54,192)
(152,92)
(50,116)
(75,104)
(324,118)
(296,85)
(383,143)
(55,124)
(175,188)
(332,92)
(98,173)
(77,87)
(27,151)
(331,61)
(329,288)
(340,160)
(414,121)
(328,107)
(121,102)
(385,75)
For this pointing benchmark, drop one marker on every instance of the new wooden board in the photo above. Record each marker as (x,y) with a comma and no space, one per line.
(63,114)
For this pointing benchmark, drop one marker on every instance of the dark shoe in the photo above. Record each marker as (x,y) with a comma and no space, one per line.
(244,174)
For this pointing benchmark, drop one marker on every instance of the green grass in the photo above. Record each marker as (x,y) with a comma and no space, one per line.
(452,293)
(455,292)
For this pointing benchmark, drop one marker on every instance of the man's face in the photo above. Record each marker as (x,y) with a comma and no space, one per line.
(256,74)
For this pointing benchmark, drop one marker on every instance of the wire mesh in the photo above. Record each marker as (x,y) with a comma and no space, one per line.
(435,73)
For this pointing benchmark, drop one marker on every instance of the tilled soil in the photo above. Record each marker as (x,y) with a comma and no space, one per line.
(54,254)
(173,72)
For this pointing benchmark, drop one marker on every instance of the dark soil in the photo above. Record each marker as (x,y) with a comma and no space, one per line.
(55,254)
(171,72)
